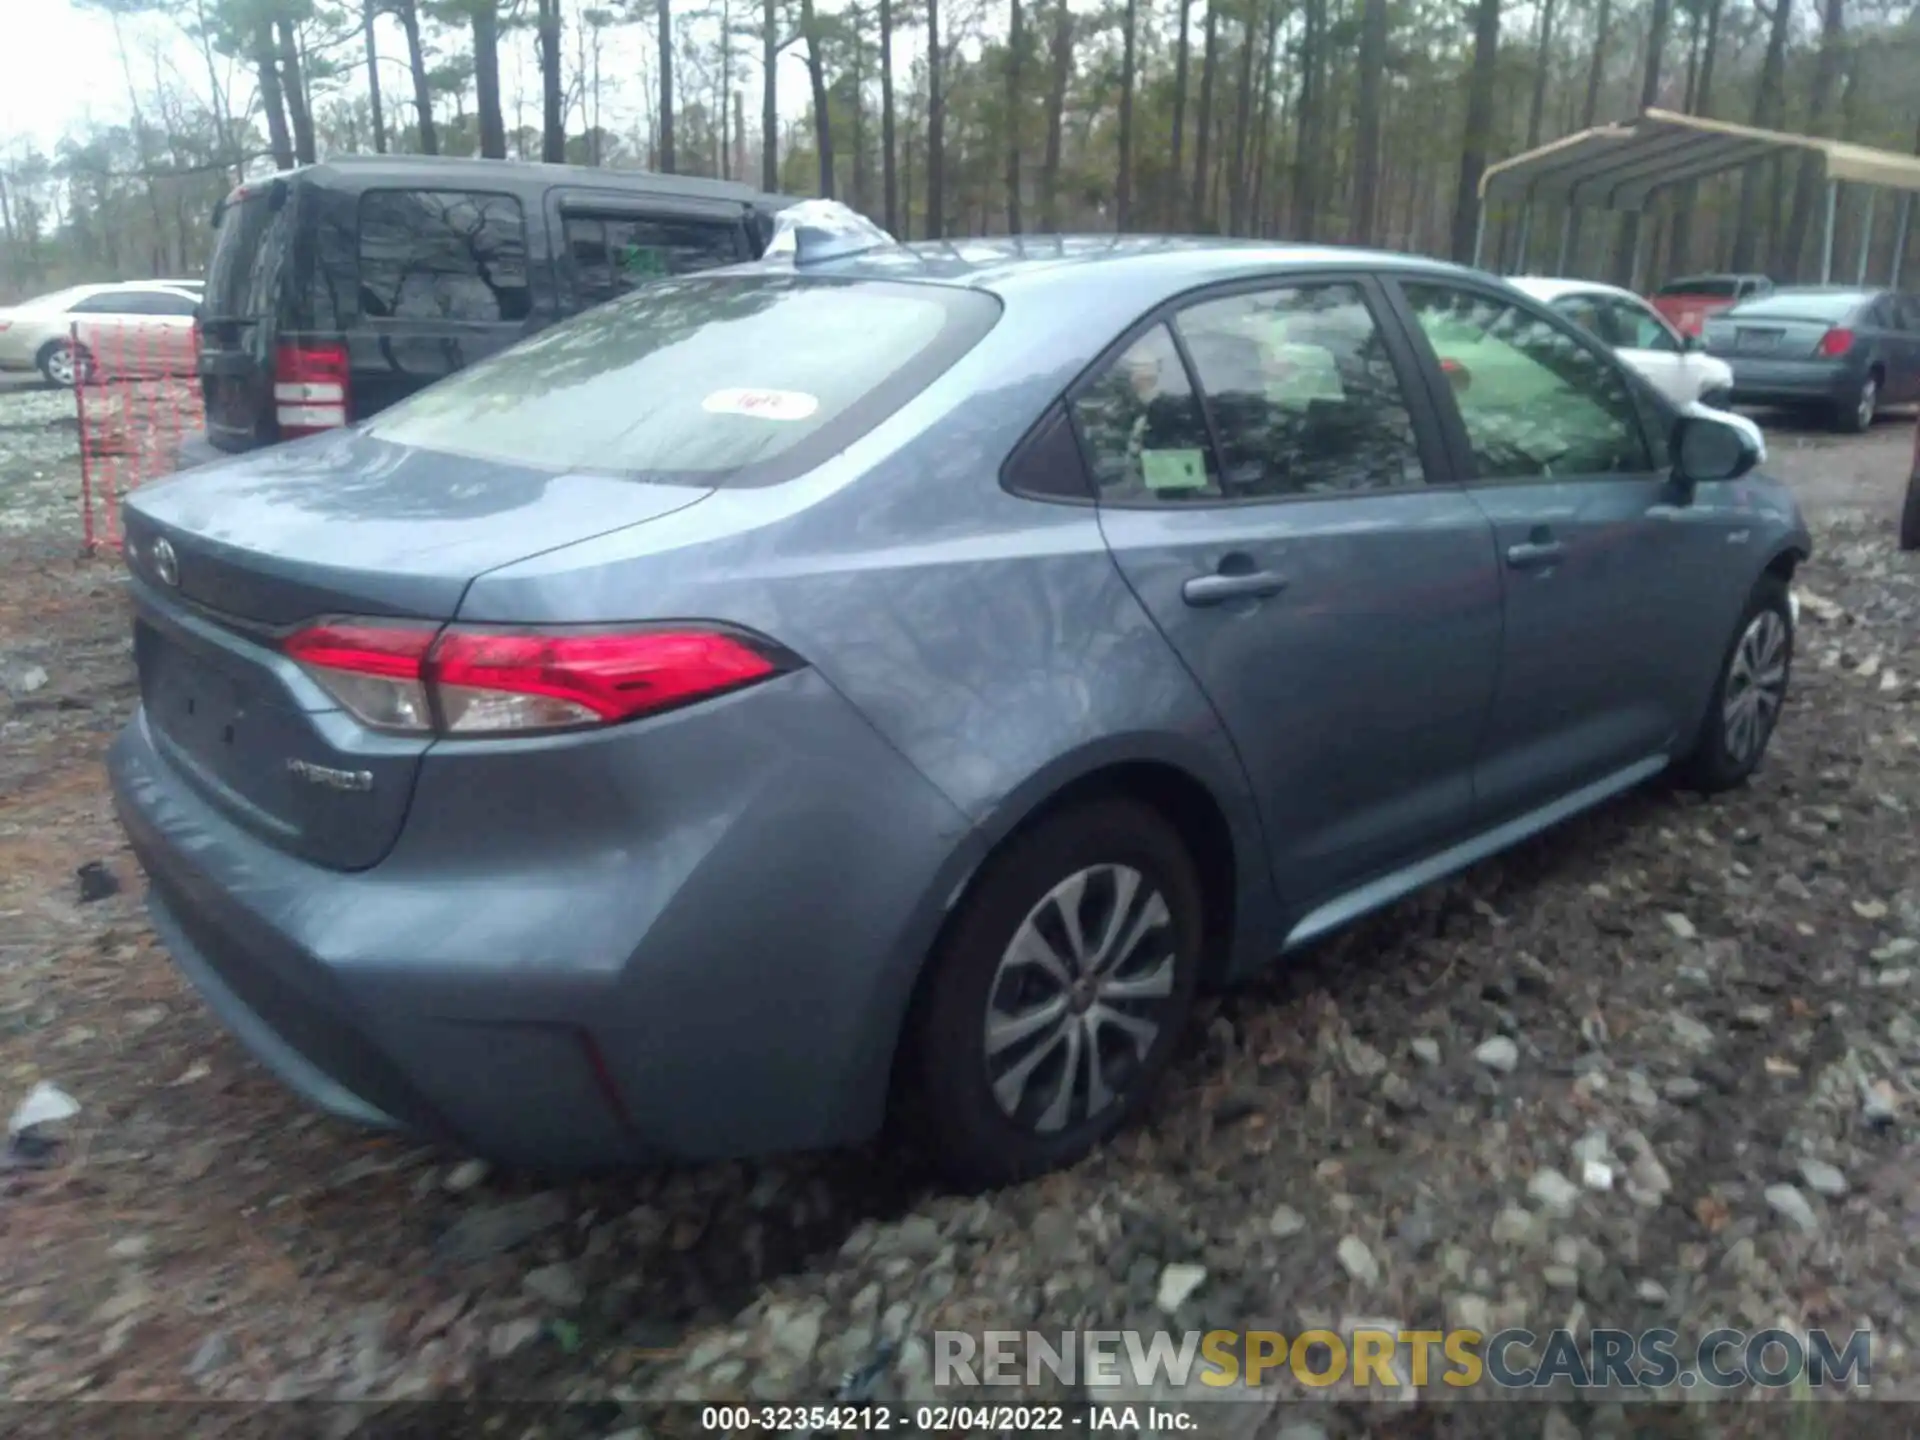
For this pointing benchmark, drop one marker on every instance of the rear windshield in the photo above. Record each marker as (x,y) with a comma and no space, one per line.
(248,251)
(1713,287)
(741,380)
(1788,306)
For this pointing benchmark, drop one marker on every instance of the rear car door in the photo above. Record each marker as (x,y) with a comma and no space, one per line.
(1275,492)
(608,242)
(443,281)
(1611,587)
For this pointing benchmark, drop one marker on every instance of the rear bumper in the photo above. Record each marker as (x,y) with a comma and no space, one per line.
(735,991)
(1763,382)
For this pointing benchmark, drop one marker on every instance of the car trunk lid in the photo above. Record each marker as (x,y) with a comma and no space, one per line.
(232,556)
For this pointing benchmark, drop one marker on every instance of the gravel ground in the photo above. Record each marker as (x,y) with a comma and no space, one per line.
(1713,1008)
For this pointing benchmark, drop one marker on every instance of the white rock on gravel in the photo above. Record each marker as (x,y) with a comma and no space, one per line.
(1426,1050)
(46,1106)
(1499,1054)
(1177,1284)
(1357,1260)
(1680,925)
(556,1284)
(465,1175)
(1285,1222)
(1690,1032)
(1823,1179)
(1553,1191)
(1793,1207)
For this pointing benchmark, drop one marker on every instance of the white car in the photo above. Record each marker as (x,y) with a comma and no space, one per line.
(1638,334)
(135,325)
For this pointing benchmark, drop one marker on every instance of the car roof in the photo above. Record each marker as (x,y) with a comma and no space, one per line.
(358,172)
(1544,287)
(1151,268)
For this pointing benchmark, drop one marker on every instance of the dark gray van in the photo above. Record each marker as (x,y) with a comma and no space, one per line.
(337,289)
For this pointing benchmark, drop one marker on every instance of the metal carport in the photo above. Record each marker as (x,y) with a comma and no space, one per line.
(1622,166)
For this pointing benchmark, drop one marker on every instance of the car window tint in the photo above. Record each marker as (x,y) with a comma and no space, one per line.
(1303,395)
(110,303)
(1638,328)
(1142,429)
(1535,402)
(611,254)
(1583,311)
(442,255)
(709,380)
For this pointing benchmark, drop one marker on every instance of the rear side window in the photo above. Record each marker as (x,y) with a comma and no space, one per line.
(613,253)
(443,255)
(742,380)
(1714,287)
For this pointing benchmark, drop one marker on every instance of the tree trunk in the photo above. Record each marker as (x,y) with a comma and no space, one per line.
(1366,158)
(1478,136)
(663,12)
(1699,102)
(272,100)
(553,116)
(1629,246)
(1015,41)
(1203,129)
(1264,129)
(822,116)
(1806,188)
(1597,66)
(369,9)
(1305,202)
(936,130)
(1242,119)
(1766,105)
(409,16)
(1183,59)
(296,96)
(889,190)
(769,96)
(1123,193)
(486,79)
(1542,65)
(1056,110)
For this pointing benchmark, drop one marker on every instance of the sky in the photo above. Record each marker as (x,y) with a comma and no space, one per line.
(80,79)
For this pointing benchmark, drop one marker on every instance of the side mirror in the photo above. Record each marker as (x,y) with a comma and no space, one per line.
(1707,449)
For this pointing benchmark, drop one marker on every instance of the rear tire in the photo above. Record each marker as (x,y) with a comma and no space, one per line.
(1855,417)
(1032,1041)
(1747,696)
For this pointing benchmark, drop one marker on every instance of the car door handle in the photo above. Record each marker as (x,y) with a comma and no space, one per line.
(1535,554)
(1214,589)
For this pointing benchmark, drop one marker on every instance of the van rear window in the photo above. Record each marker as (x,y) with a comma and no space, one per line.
(249,250)
(739,380)
(443,255)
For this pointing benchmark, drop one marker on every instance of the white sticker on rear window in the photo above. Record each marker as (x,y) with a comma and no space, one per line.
(762,404)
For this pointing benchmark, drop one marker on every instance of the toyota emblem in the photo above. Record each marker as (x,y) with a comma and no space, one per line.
(165,563)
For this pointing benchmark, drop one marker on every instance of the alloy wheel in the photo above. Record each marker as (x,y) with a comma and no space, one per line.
(1079,998)
(60,366)
(1756,684)
(1869,403)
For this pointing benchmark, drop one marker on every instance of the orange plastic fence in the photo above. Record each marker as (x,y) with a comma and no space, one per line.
(137,395)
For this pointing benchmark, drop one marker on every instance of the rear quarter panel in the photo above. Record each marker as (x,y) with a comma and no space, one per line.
(989,638)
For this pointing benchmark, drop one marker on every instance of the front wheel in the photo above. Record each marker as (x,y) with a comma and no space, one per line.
(1057,996)
(61,363)
(1748,695)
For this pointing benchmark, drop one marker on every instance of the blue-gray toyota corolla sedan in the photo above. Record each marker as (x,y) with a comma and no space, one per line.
(808,692)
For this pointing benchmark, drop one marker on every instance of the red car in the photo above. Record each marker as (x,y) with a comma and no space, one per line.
(1687,302)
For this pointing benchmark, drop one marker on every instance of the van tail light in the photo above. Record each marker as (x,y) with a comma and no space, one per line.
(309,387)
(1836,342)
(485,680)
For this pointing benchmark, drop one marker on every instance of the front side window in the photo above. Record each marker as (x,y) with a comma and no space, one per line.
(1303,394)
(1535,402)
(442,255)
(1142,430)
(613,253)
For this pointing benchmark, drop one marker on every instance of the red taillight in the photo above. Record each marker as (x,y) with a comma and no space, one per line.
(474,681)
(1836,341)
(309,387)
